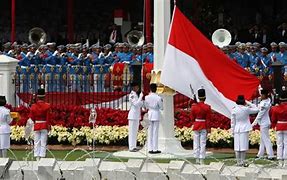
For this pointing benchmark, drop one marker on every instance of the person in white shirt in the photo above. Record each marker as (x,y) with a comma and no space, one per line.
(5,120)
(240,127)
(153,103)
(264,122)
(134,115)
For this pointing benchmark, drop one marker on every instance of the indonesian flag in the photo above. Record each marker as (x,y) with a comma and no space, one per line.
(118,17)
(192,60)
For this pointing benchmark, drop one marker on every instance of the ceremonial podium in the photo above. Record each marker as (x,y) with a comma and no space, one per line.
(277,74)
(136,70)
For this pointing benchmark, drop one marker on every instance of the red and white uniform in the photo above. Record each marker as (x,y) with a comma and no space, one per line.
(279,117)
(200,116)
(39,113)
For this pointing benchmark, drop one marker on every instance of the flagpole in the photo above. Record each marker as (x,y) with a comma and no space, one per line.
(168,144)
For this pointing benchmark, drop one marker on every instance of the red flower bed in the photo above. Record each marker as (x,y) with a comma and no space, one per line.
(77,116)
(182,119)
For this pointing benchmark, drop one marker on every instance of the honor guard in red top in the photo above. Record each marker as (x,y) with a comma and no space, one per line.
(200,116)
(279,118)
(39,113)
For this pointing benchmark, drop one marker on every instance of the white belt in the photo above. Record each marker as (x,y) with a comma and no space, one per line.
(49,65)
(58,65)
(40,121)
(200,120)
(282,122)
(24,67)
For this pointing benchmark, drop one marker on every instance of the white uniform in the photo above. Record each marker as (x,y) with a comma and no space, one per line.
(134,117)
(154,104)
(264,122)
(240,127)
(5,120)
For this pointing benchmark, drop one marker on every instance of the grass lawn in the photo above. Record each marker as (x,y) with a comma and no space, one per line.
(227,158)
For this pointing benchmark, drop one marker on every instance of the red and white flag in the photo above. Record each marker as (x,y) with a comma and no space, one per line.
(191,59)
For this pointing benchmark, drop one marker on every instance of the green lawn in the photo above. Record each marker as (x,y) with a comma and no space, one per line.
(81,155)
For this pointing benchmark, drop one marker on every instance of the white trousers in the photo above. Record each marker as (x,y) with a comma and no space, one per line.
(40,143)
(265,142)
(240,157)
(199,143)
(5,141)
(153,135)
(133,132)
(281,145)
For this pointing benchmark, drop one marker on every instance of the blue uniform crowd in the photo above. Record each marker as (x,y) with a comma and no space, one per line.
(77,67)
(74,67)
(256,59)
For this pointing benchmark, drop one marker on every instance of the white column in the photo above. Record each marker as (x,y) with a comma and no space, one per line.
(161,29)
(167,142)
(7,71)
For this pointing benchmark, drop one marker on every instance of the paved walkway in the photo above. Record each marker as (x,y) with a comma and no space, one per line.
(118,148)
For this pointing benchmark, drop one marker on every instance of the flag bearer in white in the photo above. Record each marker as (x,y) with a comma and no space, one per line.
(264,122)
(5,120)
(279,117)
(153,103)
(134,115)
(240,127)
(200,116)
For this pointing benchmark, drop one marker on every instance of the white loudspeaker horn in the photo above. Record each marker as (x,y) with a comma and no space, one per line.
(221,37)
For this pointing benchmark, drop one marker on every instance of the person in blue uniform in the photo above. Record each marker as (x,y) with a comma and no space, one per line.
(241,57)
(85,62)
(282,54)
(6,48)
(24,63)
(73,63)
(253,59)
(149,54)
(273,54)
(265,62)
(108,55)
(50,67)
(126,55)
(232,52)
(258,46)
(61,68)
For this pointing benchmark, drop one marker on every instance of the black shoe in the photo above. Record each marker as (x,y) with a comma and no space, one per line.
(258,157)
(134,150)
(151,152)
(156,152)
(245,165)
(271,158)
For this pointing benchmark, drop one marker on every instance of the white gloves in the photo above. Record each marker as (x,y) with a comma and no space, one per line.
(141,95)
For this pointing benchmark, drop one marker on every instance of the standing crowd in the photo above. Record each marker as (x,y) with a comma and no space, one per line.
(257,59)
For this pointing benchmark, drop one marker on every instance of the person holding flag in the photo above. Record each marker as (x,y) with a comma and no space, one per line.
(134,116)
(264,122)
(240,127)
(154,103)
